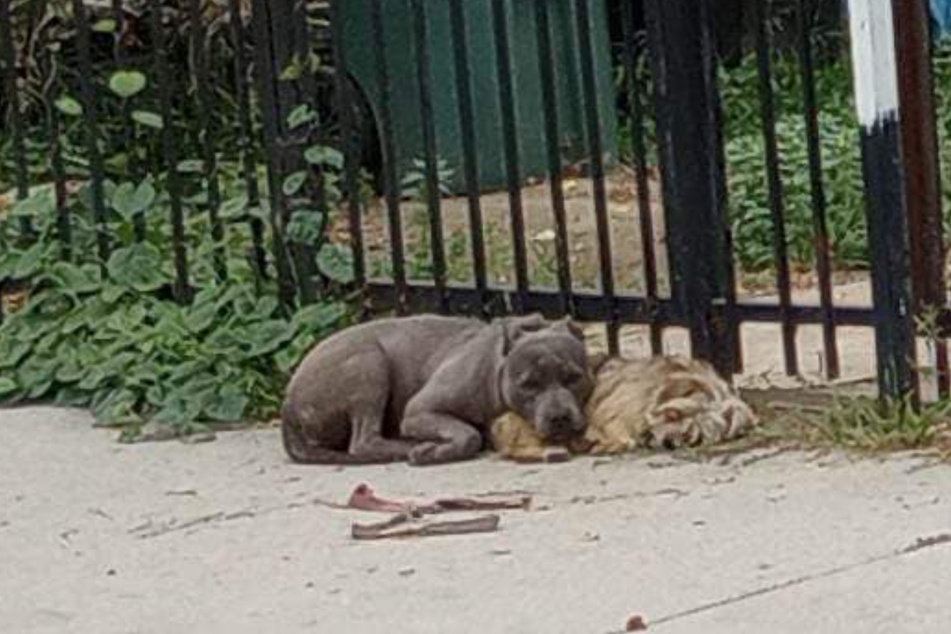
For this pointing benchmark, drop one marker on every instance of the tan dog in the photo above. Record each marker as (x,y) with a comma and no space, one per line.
(663,402)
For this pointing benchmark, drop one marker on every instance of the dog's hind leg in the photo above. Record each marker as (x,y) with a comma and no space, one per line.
(305,450)
(367,440)
(443,438)
(344,427)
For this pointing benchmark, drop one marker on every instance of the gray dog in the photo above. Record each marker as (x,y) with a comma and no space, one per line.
(426,388)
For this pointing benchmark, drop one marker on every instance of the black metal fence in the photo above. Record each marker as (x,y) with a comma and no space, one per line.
(237,138)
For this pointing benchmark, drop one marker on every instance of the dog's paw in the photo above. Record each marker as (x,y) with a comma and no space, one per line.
(426,453)
(671,436)
(556,454)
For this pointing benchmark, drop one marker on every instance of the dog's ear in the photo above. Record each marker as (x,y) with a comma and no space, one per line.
(514,328)
(570,326)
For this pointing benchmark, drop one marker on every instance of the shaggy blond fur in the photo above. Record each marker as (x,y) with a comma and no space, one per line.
(663,402)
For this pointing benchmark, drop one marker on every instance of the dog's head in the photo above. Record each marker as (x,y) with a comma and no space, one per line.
(545,377)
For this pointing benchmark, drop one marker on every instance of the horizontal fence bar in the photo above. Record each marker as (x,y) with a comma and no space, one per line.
(592,307)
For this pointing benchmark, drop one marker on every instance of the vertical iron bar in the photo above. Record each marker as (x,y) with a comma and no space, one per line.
(170,150)
(8,81)
(16,116)
(246,136)
(270,112)
(207,131)
(129,141)
(351,153)
(430,152)
(546,63)
(635,89)
(283,29)
(390,158)
(727,327)
(469,151)
(819,222)
(922,166)
(761,14)
(63,221)
(290,45)
(876,98)
(511,149)
(118,18)
(593,133)
(689,164)
(92,130)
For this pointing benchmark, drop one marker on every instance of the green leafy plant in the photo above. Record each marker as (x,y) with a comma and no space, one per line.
(107,335)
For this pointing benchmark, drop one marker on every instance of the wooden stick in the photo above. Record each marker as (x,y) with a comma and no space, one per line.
(402,526)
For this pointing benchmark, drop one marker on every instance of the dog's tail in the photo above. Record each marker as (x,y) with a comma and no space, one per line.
(301,450)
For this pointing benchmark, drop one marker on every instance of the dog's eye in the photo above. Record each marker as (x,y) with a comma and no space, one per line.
(530,384)
(573,378)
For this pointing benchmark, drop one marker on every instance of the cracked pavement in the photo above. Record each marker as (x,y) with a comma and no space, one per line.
(227,537)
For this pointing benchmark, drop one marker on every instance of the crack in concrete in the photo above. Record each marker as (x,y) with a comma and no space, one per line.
(920,544)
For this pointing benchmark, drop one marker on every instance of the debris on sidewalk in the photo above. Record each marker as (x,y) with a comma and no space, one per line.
(364,498)
(408,519)
(404,525)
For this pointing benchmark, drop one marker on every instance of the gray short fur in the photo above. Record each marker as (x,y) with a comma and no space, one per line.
(426,388)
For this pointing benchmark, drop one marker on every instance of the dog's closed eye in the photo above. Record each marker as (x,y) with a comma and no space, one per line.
(530,383)
(573,377)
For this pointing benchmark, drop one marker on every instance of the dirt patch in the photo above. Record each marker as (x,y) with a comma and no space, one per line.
(581,229)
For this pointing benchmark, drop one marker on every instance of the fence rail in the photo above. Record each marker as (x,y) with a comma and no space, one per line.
(302,144)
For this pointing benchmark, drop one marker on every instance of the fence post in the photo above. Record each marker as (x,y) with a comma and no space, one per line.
(919,138)
(876,96)
(692,179)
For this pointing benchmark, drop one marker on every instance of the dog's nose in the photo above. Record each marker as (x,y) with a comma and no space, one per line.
(561,422)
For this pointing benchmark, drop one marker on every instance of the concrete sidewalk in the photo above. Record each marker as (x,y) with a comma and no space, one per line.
(102,538)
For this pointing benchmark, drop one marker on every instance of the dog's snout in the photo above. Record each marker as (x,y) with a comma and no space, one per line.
(562,422)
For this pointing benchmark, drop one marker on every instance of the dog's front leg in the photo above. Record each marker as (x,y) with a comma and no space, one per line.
(444,438)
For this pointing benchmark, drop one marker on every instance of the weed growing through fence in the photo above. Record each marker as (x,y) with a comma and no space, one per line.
(867,424)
